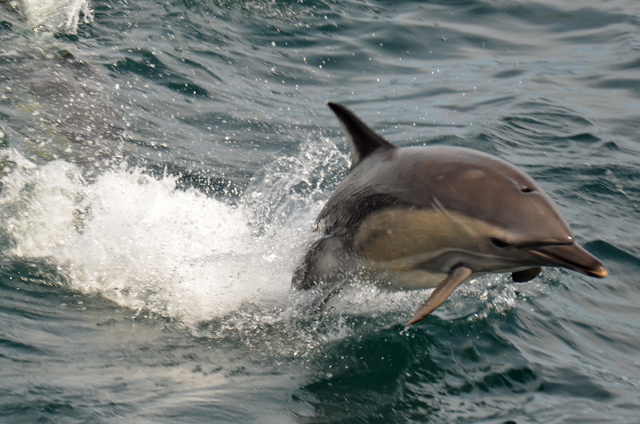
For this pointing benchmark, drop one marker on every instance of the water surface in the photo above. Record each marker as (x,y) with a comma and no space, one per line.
(163,165)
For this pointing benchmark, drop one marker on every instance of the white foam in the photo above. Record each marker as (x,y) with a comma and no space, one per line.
(140,242)
(57,15)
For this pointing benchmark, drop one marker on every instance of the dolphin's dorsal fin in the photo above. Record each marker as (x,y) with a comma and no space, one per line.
(363,140)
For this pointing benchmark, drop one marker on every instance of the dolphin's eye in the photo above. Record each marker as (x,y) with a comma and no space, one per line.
(526,189)
(499,242)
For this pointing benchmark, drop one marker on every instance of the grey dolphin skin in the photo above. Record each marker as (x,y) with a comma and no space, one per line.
(421,217)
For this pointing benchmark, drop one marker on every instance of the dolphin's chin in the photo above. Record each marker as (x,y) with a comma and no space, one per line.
(570,256)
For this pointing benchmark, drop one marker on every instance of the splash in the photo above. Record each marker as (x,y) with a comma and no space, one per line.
(146,245)
(57,15)
(140,242)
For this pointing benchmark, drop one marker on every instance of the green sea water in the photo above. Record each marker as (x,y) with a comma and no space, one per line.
(162,165)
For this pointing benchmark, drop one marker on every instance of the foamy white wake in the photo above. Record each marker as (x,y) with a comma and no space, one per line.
(142,243)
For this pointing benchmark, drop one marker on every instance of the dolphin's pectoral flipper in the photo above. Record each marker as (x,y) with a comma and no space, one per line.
(456,277)
(325,262)
(525,275)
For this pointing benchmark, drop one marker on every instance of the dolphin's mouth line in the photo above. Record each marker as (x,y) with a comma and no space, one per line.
(538,251)
(569,256)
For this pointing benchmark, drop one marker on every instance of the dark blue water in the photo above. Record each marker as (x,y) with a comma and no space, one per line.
(162,164)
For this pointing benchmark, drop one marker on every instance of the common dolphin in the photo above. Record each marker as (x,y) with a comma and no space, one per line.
(434,216)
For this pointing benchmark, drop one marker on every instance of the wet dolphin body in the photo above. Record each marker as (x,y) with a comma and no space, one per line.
(420,217)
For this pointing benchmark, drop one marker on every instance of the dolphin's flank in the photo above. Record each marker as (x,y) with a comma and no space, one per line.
(420,217)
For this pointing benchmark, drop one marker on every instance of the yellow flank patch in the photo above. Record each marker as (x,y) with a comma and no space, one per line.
(399,234)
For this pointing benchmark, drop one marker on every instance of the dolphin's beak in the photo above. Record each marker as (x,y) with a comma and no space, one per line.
(570,256)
